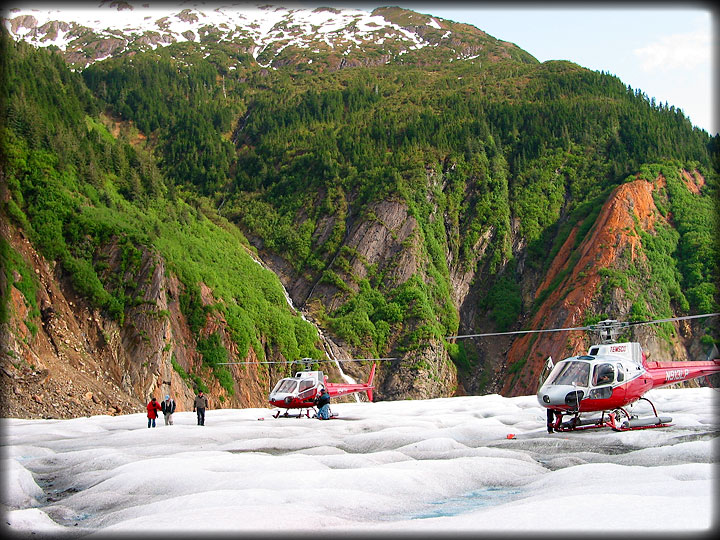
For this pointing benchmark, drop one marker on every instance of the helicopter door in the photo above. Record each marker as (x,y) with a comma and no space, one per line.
(603,377)
(547,368)
(307,388)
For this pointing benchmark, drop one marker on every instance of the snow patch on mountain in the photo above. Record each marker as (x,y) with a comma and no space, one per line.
(266,26)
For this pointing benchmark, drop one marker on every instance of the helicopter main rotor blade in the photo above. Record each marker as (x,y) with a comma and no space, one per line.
(671,319)
(312,361)
(590,327)
(519,332)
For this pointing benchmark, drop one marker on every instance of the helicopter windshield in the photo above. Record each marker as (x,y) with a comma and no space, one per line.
(573,372)
(285,386)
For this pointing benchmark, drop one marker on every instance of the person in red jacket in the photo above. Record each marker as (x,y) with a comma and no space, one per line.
(153,407)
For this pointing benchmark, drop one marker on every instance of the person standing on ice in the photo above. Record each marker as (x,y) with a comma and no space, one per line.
(168,408)
(201,403)
(323,404)
(152,408)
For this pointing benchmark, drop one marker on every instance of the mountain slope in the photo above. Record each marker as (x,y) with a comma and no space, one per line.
(273,35)
(125,272)
(400,200)
(618,270)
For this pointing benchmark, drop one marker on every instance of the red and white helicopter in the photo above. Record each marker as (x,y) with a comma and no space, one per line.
(609,379)
(302,390)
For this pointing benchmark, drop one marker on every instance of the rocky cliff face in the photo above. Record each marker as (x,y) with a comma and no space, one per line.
(386,239)
(80,362)
(614,243)
(65,367)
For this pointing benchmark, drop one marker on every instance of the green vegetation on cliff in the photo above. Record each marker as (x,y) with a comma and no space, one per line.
(74,189)
(496,162)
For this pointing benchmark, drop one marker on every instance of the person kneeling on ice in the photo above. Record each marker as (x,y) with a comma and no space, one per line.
(323,405)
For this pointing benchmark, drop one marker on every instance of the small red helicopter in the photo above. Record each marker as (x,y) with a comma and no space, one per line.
(301,391)
(608,379)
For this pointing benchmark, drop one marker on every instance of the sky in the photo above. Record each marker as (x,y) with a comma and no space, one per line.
(665,50)
(472,464)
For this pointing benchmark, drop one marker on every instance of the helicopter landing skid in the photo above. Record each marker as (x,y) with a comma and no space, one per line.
(612,423)
(287,414)
(617,420)
(575,424)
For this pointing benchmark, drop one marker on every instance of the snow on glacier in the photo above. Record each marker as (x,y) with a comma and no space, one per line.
(462,464)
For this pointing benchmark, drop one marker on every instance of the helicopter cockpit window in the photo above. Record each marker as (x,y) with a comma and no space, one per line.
(307,383)
(603,374)
(286,386)
(571,372)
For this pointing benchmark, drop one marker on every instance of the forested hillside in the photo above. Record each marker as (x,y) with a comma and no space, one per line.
(398,203)
(79,192)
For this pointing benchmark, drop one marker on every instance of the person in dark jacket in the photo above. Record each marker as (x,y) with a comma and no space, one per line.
(323,405)
(200,405)
(168,408)
(152,408)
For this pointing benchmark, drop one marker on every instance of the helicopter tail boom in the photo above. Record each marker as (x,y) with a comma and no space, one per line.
(665,373)
(340,389)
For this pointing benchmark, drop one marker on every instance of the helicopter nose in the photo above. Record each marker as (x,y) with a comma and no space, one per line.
(560,395)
